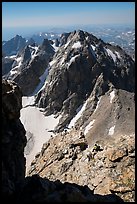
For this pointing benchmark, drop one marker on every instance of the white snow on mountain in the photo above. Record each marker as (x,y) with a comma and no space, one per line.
(112,95)
(78,115)
(12,56)
(93,47)
(76,45)
(97,104)
(38,125)
(42,78)
(73,59)
(67,44)
(89,126)
(14,70)
(111,130)
(27,100)
(33,54)
(118,55)
(52,62)
(110,53)
(55,47)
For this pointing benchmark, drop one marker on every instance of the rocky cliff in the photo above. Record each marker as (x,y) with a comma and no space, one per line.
(13,140)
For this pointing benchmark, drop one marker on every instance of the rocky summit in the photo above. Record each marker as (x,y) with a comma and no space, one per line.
(85,70)
(89,86)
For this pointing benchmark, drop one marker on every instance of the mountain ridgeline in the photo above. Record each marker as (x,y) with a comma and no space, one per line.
(85,67)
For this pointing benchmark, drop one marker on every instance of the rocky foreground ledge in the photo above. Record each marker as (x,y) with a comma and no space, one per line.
(107,170)
(114,161)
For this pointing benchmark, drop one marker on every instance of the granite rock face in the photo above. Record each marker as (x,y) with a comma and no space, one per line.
(13,140)
(108,170)
(83,66)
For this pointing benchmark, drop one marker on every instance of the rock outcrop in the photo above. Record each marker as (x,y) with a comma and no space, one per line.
(13,140)
(108,170)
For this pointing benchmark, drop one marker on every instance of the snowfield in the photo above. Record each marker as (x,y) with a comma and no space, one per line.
(89,126)
(38,125)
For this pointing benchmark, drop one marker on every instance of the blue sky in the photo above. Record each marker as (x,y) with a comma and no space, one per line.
(17,15)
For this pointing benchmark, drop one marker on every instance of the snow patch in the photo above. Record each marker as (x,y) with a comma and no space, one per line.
(67,44)
(15,69)
(73,59)
(33,55)
(12,72)
(93,47)
(27,100)
(12,56)
(97,104)
(89,126)
(42,81)
(79,111)
(112,95)
(118,55)
(110,53)
(76,45)
(92,50)
(55,47)
(52,62)
(111,130)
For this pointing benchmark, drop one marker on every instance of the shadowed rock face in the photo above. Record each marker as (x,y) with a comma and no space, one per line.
(14,45)
(13,139)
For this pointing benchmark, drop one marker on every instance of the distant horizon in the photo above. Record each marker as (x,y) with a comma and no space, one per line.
(27,17)
(9,33)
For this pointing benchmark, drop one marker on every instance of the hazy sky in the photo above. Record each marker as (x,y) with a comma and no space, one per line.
(33,14)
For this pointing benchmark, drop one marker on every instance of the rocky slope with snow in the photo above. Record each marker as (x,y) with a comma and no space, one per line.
(84,67)
(30,66)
